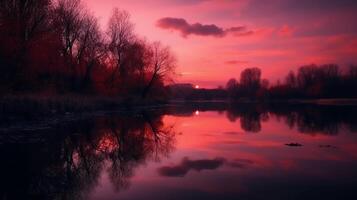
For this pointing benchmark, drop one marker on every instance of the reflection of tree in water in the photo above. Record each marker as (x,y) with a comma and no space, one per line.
(69,164)
(310,119)
(250,116)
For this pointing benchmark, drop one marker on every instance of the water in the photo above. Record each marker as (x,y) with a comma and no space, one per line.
(187,152)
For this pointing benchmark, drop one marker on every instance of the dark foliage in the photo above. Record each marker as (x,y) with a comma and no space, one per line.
(310,82)
(57,47)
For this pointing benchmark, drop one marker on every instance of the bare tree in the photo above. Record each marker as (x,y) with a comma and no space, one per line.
(291,80)
(22,24)
(27,18)
(90,49)
(352,72)
(69,19)
(232,87)
(82,43)
(162,65)
(250,81)
(120,35)
(250,77)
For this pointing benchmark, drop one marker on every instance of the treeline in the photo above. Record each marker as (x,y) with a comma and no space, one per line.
(58,47)
(309,82)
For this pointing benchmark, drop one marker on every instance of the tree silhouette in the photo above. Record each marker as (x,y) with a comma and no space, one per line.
(162,65)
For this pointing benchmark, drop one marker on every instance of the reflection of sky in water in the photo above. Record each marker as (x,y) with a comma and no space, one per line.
(215,158)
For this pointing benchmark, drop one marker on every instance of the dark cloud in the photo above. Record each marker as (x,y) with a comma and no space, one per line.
(181,25)
(187,165)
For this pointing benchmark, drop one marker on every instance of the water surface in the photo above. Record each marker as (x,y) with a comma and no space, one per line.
(187,152)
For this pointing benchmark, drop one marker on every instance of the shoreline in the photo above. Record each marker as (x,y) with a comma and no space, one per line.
(37,113)
(35,106)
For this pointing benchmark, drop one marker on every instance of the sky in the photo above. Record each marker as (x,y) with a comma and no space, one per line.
(214,40)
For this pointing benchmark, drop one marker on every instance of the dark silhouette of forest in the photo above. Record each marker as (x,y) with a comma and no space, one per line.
(57,47)
(309,82)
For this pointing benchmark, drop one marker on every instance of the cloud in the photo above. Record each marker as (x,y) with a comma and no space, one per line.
(187,165)
(240,163)
(181,25)
(235,62)
(189,2)
(239,31)
(285,31)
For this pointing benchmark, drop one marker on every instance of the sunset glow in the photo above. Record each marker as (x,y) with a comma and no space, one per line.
(214,40)
(178,99)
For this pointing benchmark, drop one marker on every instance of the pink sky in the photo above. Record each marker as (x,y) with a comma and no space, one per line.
(274,35)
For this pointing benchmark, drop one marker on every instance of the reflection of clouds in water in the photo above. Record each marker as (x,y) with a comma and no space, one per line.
(187,165)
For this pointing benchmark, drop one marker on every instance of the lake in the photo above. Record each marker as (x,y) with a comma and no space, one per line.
(196,151)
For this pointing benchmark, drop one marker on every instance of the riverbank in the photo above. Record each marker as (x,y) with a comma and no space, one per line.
(37,113)
(41,106)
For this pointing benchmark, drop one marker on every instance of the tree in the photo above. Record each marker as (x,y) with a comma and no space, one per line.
(69,17)
(120,35)
(352,72)
(307,75)
(24,19)
(250,80)
(290,80)
(162,65)
(23,23)
(250,77)
(82,42)
(231,87)
(231,84)
(91,49)
(57,46)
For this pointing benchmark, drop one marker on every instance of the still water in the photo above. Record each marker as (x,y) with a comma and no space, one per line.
(187,152)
